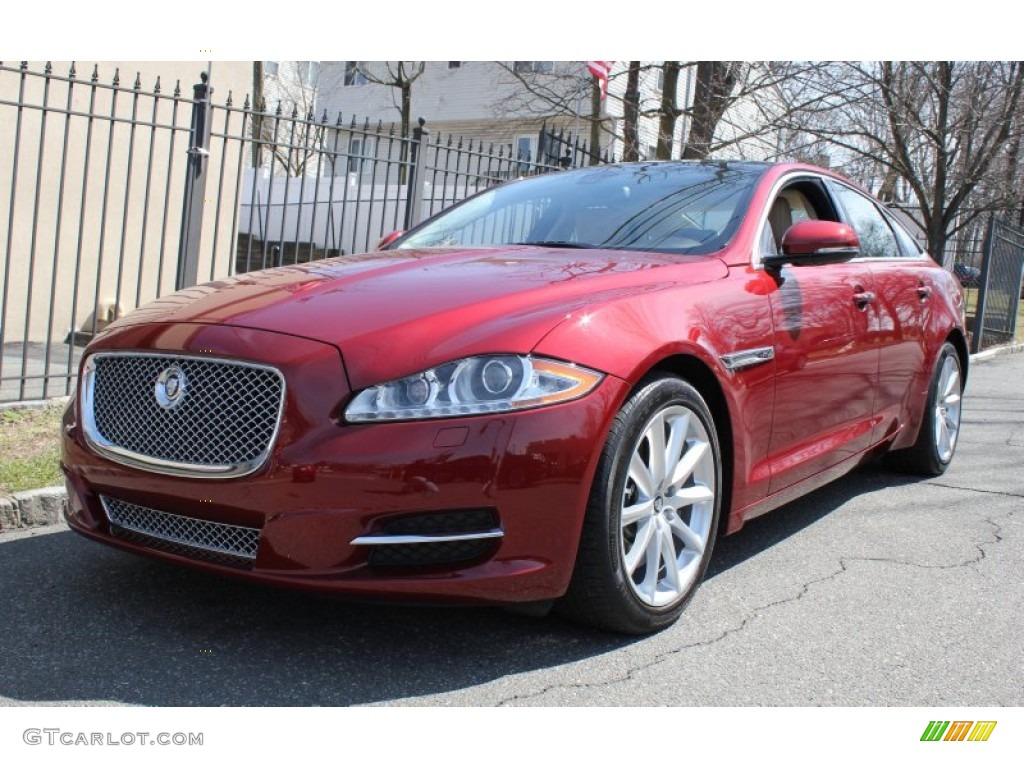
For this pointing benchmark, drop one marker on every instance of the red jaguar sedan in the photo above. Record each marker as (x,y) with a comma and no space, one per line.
(559,391)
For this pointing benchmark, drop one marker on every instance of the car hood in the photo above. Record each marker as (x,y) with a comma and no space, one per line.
(396,312)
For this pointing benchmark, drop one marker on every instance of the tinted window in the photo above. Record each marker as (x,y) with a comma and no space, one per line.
(684,208)
(877,240)
(908,245)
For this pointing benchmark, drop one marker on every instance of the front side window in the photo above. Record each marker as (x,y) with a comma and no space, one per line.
(877,240)
(671,209)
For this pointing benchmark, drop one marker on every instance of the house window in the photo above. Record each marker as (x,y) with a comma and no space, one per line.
(360,155)
(454,64)
(526,150)
(309,73)
(354,73)
(661,79)
(270,68)
(534,67)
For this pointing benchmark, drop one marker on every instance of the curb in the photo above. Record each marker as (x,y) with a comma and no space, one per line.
(29,509)
(1006,349)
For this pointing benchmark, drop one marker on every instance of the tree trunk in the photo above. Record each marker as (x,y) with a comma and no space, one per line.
(631,114)
(669,111)
(257,118)
(595,124)
(711,97)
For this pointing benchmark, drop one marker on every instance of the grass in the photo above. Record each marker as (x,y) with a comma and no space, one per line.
(971,301)
(30,449)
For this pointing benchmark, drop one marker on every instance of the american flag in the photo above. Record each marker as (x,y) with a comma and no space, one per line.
(600,70)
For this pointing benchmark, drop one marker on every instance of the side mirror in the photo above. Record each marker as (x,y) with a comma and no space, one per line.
(813,242)
(387,240)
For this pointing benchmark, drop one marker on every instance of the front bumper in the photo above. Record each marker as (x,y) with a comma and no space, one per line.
(327,485)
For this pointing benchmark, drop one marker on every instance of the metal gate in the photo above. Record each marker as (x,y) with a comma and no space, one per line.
(1001,286)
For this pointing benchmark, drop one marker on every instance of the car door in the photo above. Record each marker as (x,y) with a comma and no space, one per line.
(903,289)
(827,350)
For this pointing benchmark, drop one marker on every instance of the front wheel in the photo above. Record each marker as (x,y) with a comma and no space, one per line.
(653,512)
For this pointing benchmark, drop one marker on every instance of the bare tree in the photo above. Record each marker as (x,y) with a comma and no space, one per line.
(399,75)
(631,114)
(936,134)
(566,92)
(284,122)
(713,94)
(668,111)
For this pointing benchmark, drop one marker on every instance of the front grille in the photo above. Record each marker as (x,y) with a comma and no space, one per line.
(222,421)
(219,542)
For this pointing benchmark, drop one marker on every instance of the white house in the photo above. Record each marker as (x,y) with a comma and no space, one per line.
(508,102)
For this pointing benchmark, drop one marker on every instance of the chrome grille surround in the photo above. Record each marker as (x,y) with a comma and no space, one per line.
(225,425)
(233,542)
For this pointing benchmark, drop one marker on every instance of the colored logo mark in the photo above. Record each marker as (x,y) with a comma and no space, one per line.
(958,730)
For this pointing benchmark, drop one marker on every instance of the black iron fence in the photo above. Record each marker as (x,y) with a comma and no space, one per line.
(117,192)
(1000,287)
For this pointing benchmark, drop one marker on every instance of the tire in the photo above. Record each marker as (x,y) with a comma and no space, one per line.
(940,426)
(640,507)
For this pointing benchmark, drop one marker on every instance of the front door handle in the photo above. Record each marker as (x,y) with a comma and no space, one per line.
(924,292)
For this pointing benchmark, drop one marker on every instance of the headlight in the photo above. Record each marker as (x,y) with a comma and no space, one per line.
(487,384)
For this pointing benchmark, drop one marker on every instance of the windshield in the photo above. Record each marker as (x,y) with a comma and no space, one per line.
(667,207)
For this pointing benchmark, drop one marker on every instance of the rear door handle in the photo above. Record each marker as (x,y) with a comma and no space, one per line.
(863,298)
(924,292)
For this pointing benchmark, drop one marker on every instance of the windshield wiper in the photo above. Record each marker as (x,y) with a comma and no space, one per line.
(557,244)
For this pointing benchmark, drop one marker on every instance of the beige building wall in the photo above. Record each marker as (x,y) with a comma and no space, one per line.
(92,227)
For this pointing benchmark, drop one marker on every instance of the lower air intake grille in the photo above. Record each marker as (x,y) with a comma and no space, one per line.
(218,542)
(435,553)
(432,553)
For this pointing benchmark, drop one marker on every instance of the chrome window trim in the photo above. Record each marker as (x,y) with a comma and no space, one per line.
(119,455)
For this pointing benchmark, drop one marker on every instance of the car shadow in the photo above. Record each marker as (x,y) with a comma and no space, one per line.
(84,623)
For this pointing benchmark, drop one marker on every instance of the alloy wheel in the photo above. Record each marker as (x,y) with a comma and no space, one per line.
(668,505)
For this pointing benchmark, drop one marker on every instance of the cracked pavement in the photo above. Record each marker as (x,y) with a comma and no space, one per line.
(879,589)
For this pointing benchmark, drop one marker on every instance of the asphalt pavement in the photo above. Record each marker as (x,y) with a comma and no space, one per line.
(880,589)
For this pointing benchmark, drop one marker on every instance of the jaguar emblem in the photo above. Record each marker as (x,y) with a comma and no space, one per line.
(170,387)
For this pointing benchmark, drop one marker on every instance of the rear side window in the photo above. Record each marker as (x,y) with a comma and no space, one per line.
(910,247)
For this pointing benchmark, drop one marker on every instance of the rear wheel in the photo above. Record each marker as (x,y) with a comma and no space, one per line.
(940,428)
(653,512)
